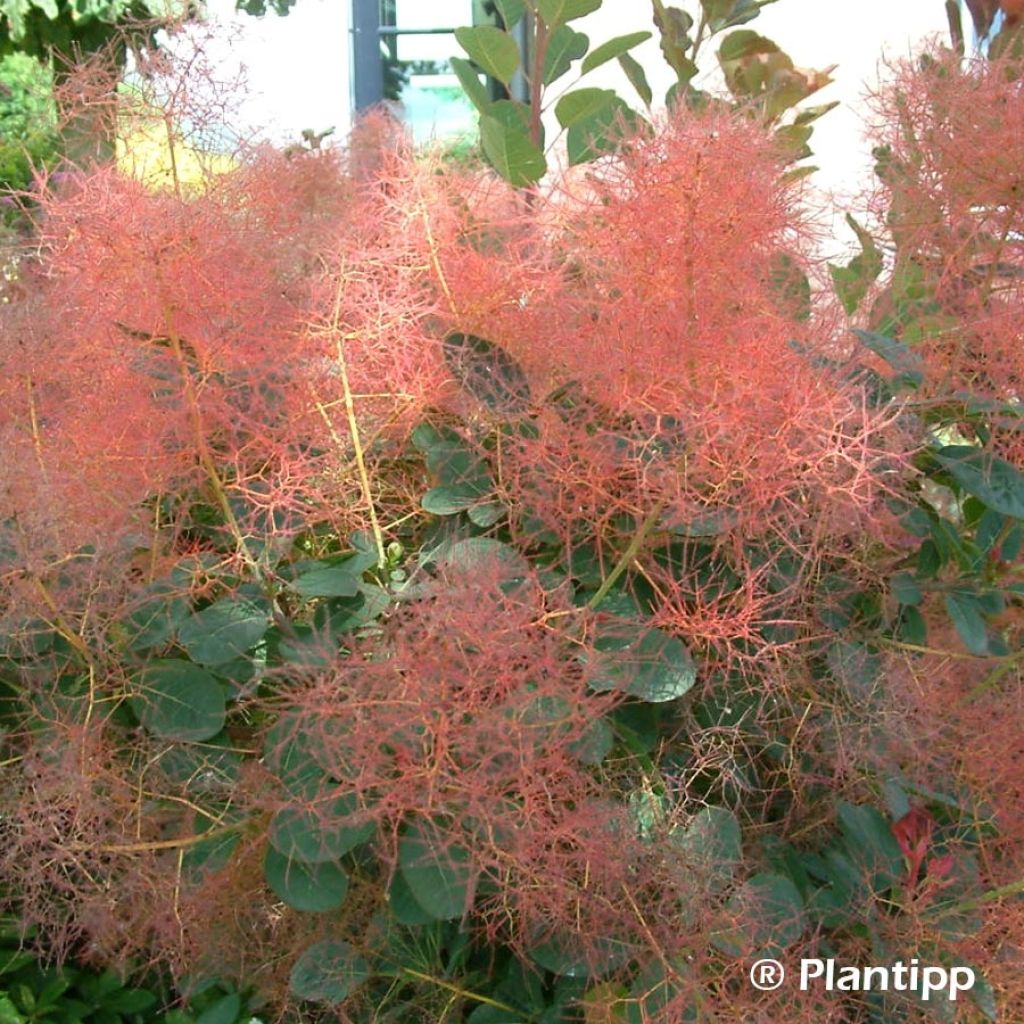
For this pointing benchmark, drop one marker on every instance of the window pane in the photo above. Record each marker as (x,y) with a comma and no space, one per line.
(431,101)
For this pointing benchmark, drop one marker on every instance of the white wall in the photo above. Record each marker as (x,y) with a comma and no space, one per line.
(296,68)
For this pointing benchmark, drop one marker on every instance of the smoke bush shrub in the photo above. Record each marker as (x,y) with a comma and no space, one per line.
(423,596)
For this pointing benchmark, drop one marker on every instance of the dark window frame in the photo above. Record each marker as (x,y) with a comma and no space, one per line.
(369,38)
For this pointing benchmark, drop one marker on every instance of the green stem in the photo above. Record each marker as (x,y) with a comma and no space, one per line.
(206,459)
(1013,889)
(463,992)
(628,555)
(994,676)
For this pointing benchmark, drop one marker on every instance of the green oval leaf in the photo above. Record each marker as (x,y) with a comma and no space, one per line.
(998,483)
(602,132)
(564,46)
(179,701)
(744,43)
(492,49)
(966,614)
(511,152)
(294,755)
(871,844)
(655,994)
(905,589)
(581,104)
(711,844)
(439,879)
(315,888)
(225,1011)
(320,831)
(404,907)
(342,580)
(201,767)
(488,373)
(612,49)
(486,514)
(223,631)
(899,355)
(634,71)
(511,11)
(449,501)
(567,955)
(645,663)
(557,12)
(769,914)
(328,972)
(155,621)
(469,79)
(472,553)
(595,744)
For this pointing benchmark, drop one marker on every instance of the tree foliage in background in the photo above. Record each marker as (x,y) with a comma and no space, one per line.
(73,28)
(28,120)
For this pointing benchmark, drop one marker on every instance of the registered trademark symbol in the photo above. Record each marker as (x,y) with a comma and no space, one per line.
(767,975)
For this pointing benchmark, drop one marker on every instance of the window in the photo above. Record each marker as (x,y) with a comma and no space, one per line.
(401,51)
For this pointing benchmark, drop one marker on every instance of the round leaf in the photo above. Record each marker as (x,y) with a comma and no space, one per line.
(582,104)
(177,700)
(965,612)
(602,131)
(564,46)
(645,663)
(449,501)
(225,1011)
(223,631)
(566,954)
(472,553)
(328,972)
(404,906)
(320,832)
(998,483)
(511,152)
(711,842)
(295,755)
(766,915)
(493,50)
(341,580)
(469,79)
(439,879)
(311,887)
(154,621)
(201,767)
(595,743)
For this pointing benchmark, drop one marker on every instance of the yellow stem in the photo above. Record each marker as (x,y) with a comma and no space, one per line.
(459,991)
(628,555)
(353,426)
(160,844)
(206,459)
(61,624)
